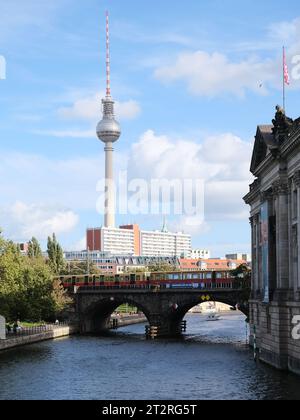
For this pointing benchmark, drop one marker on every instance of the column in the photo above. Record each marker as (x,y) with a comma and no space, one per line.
(282,238)
(297,185)
(255,246)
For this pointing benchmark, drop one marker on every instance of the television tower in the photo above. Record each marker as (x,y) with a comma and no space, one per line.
(108,131)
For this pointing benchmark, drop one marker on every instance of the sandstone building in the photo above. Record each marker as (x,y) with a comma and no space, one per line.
(274,198)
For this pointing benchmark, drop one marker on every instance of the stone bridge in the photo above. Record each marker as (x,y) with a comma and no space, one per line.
(164,309)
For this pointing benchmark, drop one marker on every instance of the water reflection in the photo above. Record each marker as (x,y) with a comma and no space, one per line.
(211,361)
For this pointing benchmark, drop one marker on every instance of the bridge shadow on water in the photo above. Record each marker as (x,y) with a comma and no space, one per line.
(230,329)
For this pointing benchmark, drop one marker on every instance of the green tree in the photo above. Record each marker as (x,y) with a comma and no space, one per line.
(55,255)
(28,288)
(34,249)
(161,267)
(60,298)
(11,286)
(77,268)
(242,272)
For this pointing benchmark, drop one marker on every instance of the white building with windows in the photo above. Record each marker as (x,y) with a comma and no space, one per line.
(120,240)
(200,254)
(166,244)
(130,240)
(238,256)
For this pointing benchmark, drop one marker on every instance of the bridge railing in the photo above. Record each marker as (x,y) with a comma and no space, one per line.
(39,329)
(235,285)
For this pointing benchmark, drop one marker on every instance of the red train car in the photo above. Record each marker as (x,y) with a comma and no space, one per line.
(162,280)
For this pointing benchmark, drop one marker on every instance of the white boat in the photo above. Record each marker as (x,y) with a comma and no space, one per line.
(213,316)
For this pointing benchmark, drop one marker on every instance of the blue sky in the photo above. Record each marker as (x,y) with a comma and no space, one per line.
(192,80)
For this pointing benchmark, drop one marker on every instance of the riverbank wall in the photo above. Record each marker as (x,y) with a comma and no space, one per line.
(57,332)
(67,330)
(125,320)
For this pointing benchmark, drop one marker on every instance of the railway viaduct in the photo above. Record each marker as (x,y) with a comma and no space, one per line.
(164,309)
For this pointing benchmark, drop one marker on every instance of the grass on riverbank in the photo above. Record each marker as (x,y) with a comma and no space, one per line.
(126,309)
(31,324)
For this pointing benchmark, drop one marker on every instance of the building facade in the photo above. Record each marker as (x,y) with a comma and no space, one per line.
(197,254)
(112,264)
(165,244)
(104,261)
(274,198)
(24,247)
(130,240)
(237,256)
(112,240)
(211,264)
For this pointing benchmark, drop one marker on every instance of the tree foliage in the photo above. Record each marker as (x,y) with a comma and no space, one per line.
(27,288)
(34,249)
(242,271)
(161,267)
(55,255)
(77,268)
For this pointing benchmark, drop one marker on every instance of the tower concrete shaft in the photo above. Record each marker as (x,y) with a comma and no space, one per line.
(109,217)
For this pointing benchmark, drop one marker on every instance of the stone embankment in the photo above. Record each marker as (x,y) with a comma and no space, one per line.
(49,334)
(57,331)
(126,319)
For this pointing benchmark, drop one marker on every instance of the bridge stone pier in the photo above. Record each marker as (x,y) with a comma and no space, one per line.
(164,309)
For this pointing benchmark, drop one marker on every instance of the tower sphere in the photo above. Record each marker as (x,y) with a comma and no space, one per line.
(108,130)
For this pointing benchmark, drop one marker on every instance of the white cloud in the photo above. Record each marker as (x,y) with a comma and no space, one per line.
(214,74)
(37,183)
(127,110)
(286,32)
(217,74)
(221,161)
(22,221)
(77,246)
(89,109)
(189,225)
(67,182)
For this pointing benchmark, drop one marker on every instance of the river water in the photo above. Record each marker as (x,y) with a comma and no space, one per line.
(211,361)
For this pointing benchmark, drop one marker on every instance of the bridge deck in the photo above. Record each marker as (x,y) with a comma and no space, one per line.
(160,291)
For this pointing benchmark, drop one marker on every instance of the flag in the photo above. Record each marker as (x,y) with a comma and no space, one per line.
(285,69)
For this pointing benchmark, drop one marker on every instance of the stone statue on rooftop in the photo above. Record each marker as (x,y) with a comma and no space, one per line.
(281,124)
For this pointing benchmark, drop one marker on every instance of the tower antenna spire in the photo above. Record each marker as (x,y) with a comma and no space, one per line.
(108,92)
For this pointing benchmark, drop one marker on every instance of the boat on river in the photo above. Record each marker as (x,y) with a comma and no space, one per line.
(213,315)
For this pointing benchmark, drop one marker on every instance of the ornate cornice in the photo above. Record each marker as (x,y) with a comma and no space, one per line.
(267,195)
(254,219)
(253,192)
(281,187)
(255,186)
(296,179)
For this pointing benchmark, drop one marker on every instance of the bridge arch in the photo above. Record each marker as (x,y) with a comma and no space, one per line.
(97,315)
(179,310)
